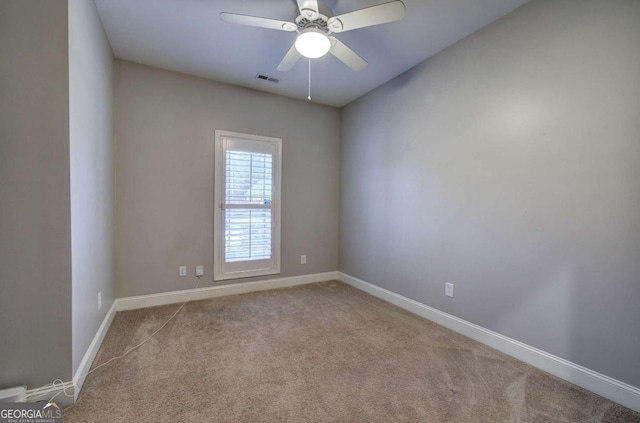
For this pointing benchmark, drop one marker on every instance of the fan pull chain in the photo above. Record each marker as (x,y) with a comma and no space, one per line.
(309,97)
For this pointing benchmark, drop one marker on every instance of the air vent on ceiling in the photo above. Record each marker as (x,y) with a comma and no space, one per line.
(267,78)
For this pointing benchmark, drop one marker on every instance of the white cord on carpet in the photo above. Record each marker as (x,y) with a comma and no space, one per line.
(118,357)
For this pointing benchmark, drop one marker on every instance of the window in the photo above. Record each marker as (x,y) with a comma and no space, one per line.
(247,206)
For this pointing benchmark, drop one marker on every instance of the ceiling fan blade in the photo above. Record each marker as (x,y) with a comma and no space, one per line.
(346,55)
(374,15)
(289,60)
(309,9)
(234,18)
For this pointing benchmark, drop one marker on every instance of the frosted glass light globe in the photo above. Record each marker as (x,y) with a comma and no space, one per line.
(313,43)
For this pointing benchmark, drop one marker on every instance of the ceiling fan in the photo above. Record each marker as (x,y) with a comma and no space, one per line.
(316,23)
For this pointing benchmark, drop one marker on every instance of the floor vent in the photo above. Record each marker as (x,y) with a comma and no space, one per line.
(267,78)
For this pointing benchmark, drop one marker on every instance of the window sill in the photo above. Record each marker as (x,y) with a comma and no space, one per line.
(246,274)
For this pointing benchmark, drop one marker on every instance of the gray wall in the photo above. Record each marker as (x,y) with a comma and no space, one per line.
(92,177)
(35,233)
(509,165)
(165,133)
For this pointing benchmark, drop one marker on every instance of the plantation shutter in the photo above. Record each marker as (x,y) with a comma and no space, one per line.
(248,229)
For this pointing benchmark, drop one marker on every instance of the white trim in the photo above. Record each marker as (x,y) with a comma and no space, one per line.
(143,301)
(615,390)
(246,274)
(227,271)
(92,351)
(45,393)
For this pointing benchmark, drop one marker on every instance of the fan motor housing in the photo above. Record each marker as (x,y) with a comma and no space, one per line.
(320,22)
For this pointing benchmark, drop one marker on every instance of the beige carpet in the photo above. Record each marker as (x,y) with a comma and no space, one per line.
(317,353)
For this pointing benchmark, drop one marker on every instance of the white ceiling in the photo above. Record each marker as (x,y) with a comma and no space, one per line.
(188,36)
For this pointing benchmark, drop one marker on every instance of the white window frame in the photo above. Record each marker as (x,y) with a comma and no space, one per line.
(220,271)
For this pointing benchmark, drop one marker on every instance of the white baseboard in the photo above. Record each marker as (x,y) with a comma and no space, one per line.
(47,392)
(73,387)
(620,392)
(144,301)
(90,355)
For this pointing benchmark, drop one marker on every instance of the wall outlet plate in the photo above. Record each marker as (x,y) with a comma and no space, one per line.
(303,259)
(199,270)
(448,289)
(182,271)
(100,300)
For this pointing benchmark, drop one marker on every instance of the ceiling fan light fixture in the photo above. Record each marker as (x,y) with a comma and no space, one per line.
(313,43)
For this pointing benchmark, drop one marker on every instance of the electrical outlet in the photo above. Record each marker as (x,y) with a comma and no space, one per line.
(100,300)
(199,271)
(303,259)
(182,270)
(448,289)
